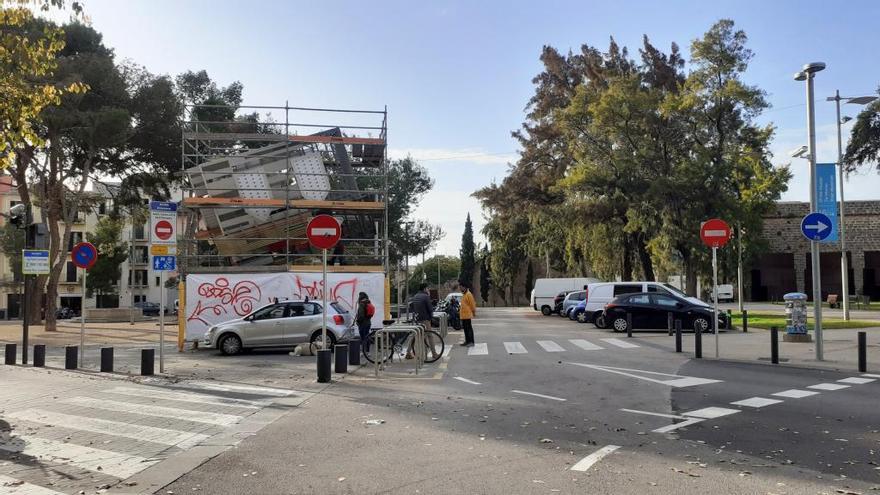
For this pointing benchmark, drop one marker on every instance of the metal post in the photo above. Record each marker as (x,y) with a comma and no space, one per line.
(814,246)
(669,325)
(10,353)
(774,345)
(25,320)
(162,321)
(844,268)
(147,358)
(39,355)
(677,335)
(745,321)
(70,353)
(341,364)
(629,326)
(698,343)
(131,273)
(82,320)
(739,268)
(729,319)
(715,295)
(324,299)
(107,360)
(863,352)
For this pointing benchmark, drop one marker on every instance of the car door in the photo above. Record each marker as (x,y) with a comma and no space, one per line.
(663,305)
(303,321)
(640,308)
(265,327)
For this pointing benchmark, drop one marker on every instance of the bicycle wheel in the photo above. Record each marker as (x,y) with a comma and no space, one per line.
(434,346)
(384,354)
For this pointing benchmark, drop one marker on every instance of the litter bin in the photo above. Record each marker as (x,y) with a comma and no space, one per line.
(795,313)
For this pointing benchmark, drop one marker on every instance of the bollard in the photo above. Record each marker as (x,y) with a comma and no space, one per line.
(729,320)
(71,355)
(745,320)
(629,326)
(354,352)
(11,351)
(39,355)
(148,358)
(107,360)
(698,344)
(677,335)
(863,352)
(669,326)
(324,365)
(774,345)
(341,358)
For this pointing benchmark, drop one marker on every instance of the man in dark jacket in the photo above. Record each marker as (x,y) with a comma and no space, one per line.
(363,320)
(421,304)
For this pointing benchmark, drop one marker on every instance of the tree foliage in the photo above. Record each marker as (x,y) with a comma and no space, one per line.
(485,276)
(466,253)
(427,272)
(104,276)
(408,182)
(864,141)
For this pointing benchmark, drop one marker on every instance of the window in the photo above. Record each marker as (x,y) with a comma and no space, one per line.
(665,301)
(270,313)
(580,296)
(157,281)
(71,272)
(140,232)
(640,299)
(75,238)
(620,289)
(102,208)
(140,278)
(140,255)
(658,289)
(336,306)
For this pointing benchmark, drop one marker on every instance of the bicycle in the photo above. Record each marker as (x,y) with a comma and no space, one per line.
(402,345)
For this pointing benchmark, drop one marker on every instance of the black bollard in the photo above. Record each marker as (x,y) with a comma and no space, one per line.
(354,352)
(669,325)
(629,326)
(698,344)
(11,351)
(774,345)
(39,355)
(677,335)
(107,360)
(745,320)
(71,356)
(863,352)
(341,358)
(148,358)
(729,319)
(324,365)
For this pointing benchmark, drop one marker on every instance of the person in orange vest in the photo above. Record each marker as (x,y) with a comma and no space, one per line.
(467,313)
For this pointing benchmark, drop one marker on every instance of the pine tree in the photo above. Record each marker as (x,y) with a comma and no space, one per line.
(485,279)
(530,279)
(468,261)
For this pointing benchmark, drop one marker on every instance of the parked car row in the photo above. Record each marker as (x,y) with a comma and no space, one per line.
(648,305)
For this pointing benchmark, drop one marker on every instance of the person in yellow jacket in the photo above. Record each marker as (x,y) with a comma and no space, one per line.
(467,312)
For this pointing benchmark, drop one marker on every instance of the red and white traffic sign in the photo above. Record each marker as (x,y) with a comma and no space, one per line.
(163,229)
(715,233)
(323,231)
(163,224)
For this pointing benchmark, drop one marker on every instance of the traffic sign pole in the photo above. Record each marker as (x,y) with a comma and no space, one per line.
(324,312)
(715,294)
(323,232)
(82,321)
(162,321)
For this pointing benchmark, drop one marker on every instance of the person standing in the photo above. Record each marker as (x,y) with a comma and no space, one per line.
(468,312)
(424,312)
(363,318)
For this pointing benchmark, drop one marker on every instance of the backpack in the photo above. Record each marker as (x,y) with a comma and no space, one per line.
(371,310)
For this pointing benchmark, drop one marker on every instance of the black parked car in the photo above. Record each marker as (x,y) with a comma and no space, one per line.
(649,310)
(149,308)
(558,300)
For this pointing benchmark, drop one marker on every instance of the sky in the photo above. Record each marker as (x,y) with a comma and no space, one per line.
(456,75)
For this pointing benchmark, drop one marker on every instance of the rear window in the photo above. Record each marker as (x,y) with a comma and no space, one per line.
(620,289)
(338,308)
(640,299)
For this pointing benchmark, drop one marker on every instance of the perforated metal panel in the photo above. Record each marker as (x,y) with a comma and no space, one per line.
(311,175)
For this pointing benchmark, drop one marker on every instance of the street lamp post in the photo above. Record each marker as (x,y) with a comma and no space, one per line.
(807,74)
(844,268)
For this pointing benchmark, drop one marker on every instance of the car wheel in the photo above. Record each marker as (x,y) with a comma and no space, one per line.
(701,324)
(316,340)
(619,324)
(230,345)
(581,317)
(599,320)
(546,311)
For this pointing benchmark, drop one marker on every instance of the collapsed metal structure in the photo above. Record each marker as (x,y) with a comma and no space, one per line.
(253,185)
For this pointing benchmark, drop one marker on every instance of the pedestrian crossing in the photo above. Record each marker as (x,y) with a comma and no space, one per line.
(108,435)
(517,347)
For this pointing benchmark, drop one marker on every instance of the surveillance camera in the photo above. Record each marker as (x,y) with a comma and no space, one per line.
(799,152)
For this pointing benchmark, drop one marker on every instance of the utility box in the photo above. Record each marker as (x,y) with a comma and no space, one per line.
(796,317)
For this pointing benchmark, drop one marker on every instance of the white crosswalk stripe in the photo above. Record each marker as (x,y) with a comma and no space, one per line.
(620,343)
(91,459)
(154,410)
(182,439)
(515,348)
(480,349)
(156,393)
(12,486)
(585,345)
(241,389)
(550,346)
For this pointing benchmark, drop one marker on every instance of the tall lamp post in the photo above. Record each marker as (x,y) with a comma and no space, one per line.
(807,74)
(844,268)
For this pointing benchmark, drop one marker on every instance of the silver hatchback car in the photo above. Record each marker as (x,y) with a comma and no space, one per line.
(283,324)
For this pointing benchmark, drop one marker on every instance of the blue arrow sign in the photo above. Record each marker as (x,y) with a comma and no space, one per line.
(816,226)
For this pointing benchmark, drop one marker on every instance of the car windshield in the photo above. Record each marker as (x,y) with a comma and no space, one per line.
(675,290)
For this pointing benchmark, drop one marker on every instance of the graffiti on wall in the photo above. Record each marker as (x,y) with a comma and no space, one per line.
(219,298)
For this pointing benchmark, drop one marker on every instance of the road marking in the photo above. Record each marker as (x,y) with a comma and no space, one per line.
(244,389)
(856,380)
(756,402)
(447,352)
(158,411)
(795,393)
(583,344)
(871,376)
(649,413)
(678,381)
(828,386)
(480,349)
(463,379)
(164,436)
(675,426)
(197,398)
(88,458)
(619,343)
(551,346)
(12,486)
(515,348)
(711,412)
(560,399)
(588,461)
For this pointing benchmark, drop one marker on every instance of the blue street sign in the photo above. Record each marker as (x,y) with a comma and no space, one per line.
(164,263)
(826,196)
(162,206)
(84,255)
(816,226)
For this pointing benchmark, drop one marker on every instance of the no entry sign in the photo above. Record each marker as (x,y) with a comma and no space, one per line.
(715,233)
(163,222)
(323,231)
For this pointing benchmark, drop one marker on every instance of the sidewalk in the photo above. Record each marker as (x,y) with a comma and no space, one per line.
(840,347)
(142,332)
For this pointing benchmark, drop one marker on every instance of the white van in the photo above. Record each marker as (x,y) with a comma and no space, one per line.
(725,293)
(600,294)
(547,288)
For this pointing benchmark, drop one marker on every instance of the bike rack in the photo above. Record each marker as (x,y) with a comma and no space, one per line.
(384,339)
(444,325)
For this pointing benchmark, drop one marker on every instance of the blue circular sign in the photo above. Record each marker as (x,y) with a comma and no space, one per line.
(84,255)
(816,226)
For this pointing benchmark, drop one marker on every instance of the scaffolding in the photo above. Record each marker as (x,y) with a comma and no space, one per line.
(252,184)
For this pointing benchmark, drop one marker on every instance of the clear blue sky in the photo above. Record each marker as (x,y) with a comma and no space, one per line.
(456,75)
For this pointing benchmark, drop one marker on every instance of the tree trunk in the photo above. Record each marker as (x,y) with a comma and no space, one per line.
(626,274)
(690,277)
(645,258)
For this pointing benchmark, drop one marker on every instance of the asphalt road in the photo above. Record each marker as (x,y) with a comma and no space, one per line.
(552,406)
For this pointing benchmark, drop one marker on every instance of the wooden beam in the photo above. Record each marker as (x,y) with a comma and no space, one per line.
(280,203)
(339,268)
(336,140)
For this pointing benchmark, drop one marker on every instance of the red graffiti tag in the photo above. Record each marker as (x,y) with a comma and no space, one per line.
(240,297)
(344,292)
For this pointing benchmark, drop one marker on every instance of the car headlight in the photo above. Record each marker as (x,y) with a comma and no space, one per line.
(210,332)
